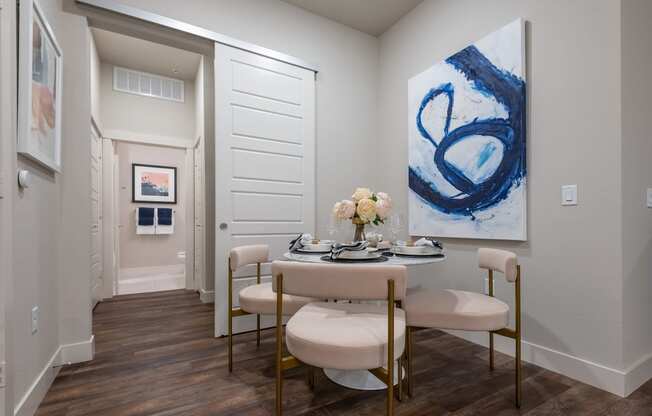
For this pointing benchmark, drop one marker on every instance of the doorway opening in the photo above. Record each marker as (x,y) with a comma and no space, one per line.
(147,166)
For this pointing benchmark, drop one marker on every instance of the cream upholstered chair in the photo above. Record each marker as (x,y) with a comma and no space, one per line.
(345,336)
(469,311)
(256,299)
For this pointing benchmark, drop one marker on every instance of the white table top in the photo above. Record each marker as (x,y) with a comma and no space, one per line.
(402,260)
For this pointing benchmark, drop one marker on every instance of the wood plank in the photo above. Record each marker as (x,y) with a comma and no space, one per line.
(156,355)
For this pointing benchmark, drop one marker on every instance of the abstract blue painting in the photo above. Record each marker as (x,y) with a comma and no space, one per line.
(467,136)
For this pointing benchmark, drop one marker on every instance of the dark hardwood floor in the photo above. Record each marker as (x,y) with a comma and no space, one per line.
(156,355)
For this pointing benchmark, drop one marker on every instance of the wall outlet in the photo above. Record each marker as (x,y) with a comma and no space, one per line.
(649,197)
(34,319)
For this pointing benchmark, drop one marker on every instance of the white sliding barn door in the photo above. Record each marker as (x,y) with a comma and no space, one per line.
(264,164)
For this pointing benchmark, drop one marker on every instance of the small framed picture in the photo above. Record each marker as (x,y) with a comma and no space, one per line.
(154,183)
(40,71)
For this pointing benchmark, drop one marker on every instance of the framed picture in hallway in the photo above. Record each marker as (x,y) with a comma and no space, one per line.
(40,66)
(154,183)
(467,139)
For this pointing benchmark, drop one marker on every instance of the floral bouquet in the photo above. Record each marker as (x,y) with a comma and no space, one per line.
(364,208)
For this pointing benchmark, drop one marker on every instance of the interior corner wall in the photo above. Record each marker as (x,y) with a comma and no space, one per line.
(572,261)
(636,178)
(346,127)
(51,225)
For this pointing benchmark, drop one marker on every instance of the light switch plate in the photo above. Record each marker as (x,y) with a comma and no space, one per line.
(34,319)
(649,197)
(569,195)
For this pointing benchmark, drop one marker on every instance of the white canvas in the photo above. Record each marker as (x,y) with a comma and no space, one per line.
(467,137)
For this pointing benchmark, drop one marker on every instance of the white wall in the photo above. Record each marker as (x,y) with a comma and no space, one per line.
(149,117)
(636,177)
(572,261)
(150,250)
(51,226)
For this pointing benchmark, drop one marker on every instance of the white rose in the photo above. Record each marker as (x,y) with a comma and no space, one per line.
(336,209)
(383,208)
(344,210)
(367,210)
(361,193)
(383,196)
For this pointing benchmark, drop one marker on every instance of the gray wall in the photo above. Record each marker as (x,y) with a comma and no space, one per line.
(572,259)
(95,74)
(150,250)
(51,223)
(636,177)
(146,116)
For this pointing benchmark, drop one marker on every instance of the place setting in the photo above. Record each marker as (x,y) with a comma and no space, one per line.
(364,210)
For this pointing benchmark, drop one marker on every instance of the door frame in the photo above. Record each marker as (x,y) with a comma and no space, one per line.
(111,193)
(95,129)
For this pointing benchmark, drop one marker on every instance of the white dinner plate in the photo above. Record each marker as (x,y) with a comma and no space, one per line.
(420,251)
(361,255)
(313,250)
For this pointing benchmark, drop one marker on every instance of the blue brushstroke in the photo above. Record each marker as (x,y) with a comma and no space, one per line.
(487,150)
(446,89)
(508,90)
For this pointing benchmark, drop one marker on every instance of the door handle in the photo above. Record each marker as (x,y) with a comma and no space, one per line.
(223,226)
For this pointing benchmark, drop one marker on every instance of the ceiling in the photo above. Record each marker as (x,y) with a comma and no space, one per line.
(370,16)
(142,55)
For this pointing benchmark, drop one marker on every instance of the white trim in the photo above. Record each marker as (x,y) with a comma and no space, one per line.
(64,355)
(167,22)
(133,137)
(638,373)
(28,404)
(619,382)
(78,352)
(207,296)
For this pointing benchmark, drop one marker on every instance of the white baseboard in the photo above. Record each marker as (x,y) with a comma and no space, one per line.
(64,355)
(78,352)
(207,296)
(28,404)
(637,374)
(619,382)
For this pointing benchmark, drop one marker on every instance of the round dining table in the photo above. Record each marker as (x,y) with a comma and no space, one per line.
(363,379)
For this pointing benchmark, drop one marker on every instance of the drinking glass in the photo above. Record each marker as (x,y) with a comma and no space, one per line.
(395,224)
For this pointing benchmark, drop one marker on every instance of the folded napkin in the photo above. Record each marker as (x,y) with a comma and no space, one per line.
(299,242)
(339,248)
(429,241)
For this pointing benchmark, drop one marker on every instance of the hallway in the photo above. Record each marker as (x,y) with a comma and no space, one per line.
(155,355)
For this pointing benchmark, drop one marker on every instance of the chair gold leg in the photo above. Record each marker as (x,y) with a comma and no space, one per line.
(410,351)
(230,306)
(279,345)
(230,343)
(400,379)
(491,351)
(258,330)
(390,348)
(518,372)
